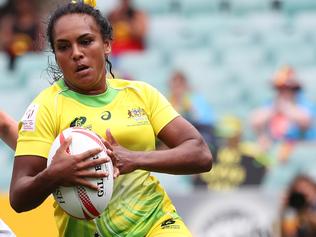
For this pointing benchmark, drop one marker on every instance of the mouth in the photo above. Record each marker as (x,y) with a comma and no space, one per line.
(81,68)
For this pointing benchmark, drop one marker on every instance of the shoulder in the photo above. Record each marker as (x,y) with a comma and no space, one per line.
(48,95)
(121,84)
(302,100)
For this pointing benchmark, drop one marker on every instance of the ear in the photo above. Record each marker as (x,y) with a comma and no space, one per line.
(107,46)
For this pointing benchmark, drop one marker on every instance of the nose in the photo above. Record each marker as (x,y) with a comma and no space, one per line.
(76,53)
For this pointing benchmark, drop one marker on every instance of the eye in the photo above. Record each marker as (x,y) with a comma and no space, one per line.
(62,46)
(86,41)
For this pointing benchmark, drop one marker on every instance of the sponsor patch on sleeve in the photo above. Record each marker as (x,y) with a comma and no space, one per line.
(29,118)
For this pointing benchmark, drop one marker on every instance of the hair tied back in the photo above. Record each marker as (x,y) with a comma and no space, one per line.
(92,3)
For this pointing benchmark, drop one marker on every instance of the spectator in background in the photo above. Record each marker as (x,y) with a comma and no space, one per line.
(237,162)
(192,105)
(196,109)
(298,213)
(20,30)
(129,27)
(276,5)
(289,117)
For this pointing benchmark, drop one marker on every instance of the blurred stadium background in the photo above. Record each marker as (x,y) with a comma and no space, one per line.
(229,49)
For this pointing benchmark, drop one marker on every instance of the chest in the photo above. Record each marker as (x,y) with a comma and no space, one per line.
(128,121)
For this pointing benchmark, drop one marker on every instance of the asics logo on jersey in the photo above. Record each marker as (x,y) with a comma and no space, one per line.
(168,224)
(78,122)
(106,115)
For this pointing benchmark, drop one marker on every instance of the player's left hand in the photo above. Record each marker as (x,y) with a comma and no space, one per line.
(123,159)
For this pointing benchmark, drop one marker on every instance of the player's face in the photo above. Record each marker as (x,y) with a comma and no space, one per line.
(80,53)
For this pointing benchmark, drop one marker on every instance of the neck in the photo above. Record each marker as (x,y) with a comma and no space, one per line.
(94,90)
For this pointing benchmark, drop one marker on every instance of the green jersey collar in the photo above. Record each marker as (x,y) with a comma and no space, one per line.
(89,100)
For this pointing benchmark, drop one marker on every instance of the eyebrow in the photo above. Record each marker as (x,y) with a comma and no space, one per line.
(80,37)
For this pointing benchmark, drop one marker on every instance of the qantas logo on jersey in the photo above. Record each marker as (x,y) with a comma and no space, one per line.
(78,122)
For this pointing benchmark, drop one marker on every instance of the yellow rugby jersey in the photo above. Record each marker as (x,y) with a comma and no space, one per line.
(135,112)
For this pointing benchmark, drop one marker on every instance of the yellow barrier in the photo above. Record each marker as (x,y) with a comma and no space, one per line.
(36,223)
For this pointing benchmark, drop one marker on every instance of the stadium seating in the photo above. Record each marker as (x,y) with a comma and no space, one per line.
(298,56)
(294,6)
(135,63)
(37,81)
(14,101)
(246,6)
(155,7)
(193,58)
(9,80)
(3,61)
(265,23)
(300,161)
(244,57)
(31,62)
(303,24)
(170,33)
(197,7)
(106,6)
(308,76)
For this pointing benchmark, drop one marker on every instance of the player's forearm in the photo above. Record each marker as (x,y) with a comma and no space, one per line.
(192,156)
(29,192)
(10,136)
(8,130)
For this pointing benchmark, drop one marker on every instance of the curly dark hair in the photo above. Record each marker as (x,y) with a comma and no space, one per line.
(77,8)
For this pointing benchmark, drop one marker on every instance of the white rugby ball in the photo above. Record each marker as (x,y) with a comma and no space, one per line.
(80,201)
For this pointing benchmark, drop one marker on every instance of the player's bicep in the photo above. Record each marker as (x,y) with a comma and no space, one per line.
(27,166)
(177,131)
